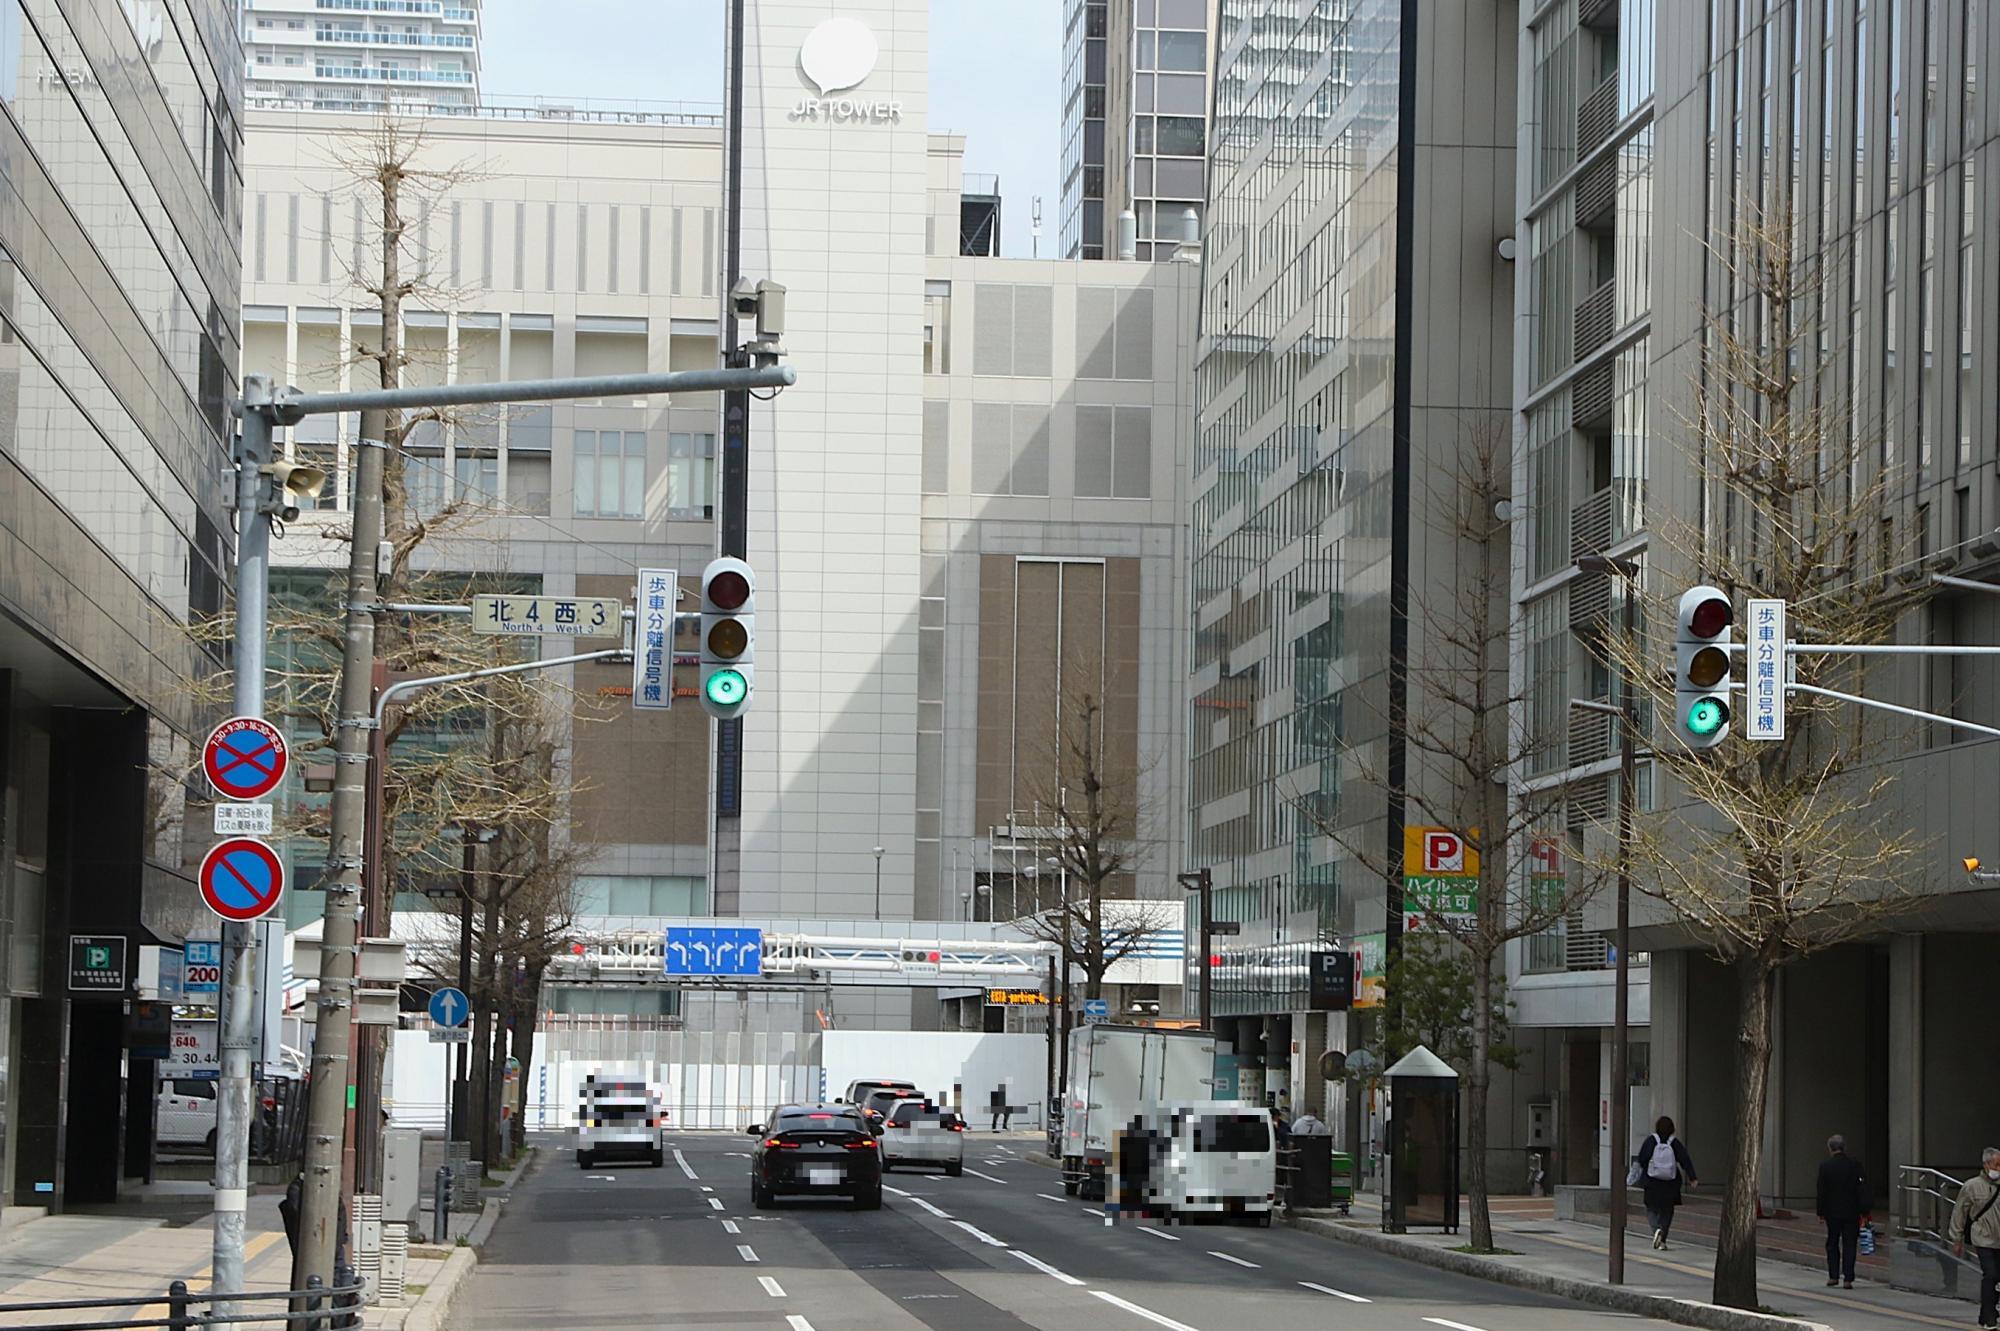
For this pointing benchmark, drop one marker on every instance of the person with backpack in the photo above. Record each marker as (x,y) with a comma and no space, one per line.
(1661,1165)
(1976,1220)
(1843,1200)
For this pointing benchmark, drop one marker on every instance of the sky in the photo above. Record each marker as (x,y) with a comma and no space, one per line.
(997,83)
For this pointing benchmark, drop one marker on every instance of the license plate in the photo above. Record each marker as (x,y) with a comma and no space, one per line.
(822,1177)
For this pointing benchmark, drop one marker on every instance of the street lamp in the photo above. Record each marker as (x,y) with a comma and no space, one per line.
(878,883)
(1202,882)
(1621,1025)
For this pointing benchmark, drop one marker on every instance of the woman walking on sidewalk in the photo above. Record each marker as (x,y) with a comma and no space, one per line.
(1660,1166)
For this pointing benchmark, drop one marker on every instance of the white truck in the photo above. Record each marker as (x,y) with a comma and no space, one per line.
(1115,1074)
(619,1118)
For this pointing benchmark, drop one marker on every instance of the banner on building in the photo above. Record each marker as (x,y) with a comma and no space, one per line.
(1440,879)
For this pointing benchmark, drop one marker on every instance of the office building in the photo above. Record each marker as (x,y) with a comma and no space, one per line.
(119,290)
(357,55)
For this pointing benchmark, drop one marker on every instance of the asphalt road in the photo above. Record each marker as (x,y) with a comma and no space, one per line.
(998,1249)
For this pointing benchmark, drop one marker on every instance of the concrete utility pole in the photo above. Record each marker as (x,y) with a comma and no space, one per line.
(333,1030)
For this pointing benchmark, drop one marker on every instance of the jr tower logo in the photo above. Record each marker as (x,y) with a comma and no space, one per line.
(838,55)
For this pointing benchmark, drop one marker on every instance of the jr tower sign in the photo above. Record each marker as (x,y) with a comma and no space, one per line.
(837,56)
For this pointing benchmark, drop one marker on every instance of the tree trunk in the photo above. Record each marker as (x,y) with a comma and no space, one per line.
(483,1002)
(496,1068)
(523,1042)
(1478,1083)
(1736,1245)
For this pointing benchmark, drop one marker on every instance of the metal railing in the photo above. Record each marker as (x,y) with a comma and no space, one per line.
(314,1308)
(1925,1198)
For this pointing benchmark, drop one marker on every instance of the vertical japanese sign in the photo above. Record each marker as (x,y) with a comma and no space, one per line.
(1766,674)
(653,647)
(1371,967)
(1440,879)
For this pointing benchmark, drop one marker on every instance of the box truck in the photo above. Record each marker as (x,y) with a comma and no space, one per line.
(1115,1073)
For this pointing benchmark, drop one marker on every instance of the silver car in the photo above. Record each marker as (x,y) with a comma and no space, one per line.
(915,1133)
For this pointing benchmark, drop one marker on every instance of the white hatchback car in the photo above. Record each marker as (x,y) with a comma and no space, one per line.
(915,1133)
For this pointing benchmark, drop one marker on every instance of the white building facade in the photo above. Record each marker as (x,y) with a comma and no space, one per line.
(352,55)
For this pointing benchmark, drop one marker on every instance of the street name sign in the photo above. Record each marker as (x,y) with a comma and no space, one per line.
(549,616)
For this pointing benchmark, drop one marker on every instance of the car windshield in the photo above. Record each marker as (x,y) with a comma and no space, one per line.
(1232,1132)
(817,1120)
(911,1113)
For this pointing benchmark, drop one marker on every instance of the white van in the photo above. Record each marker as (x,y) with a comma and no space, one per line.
(1202,1157)
(186,1114)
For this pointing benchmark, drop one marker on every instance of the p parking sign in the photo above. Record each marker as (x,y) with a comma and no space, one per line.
(97,964)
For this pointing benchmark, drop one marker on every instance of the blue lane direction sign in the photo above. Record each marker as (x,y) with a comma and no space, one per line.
(449,1008)
(242,879)
(244,758)
(1096,1010)
(704,950)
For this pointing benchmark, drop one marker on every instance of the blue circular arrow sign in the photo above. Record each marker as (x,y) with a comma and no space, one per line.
(449,1007)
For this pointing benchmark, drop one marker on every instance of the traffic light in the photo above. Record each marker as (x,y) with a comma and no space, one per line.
(728,636)
(1702,667)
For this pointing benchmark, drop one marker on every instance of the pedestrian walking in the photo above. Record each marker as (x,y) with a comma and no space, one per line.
(1309,1124)
(1976,1220)
(1843,1200)
(1002,1112)
(288,1210)
(1661,1166)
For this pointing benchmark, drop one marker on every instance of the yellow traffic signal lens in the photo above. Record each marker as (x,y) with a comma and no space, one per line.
(1709,667)
(728,639)
(1707,716)
(726,688)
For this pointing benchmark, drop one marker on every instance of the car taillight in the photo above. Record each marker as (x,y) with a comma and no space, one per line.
(776,1145)
(892,1123)
(861,1146)
(958,1127)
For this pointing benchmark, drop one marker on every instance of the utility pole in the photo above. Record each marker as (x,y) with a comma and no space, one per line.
(333,1031)
(1202,882)
(240,1013)
(733,525)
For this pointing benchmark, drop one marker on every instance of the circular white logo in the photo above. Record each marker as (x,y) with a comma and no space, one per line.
(838,54)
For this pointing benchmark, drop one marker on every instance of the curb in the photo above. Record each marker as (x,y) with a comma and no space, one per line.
(432,1306)
(1686,1312)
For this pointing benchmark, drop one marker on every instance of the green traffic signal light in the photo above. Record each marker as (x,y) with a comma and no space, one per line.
(1707,716)
(726,688)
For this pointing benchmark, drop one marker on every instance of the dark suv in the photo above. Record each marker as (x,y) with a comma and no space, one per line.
(817,1150)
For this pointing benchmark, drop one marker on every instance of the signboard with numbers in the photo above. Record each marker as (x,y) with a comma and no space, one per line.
(202,972)
(1766,673)
(653,640)
(549,616)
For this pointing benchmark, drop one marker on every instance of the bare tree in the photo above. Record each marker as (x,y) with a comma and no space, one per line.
(1779,848)
(1093,833)
(1462,737)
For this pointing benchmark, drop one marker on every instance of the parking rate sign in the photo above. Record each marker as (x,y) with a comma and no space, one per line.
(244,758)
(242,879)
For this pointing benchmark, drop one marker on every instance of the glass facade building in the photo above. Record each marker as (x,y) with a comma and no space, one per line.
(1086,24)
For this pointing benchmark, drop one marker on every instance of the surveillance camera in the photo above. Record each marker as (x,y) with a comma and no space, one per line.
(288,512)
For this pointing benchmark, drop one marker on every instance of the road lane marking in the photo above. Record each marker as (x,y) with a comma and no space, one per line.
(1337,1293)
(686,1168)
(729,1227)
(1050,1197)
(1137,1311)
(771,1287)
(706,1188)
(979,1234)
(942,1215)
(897,1191)
(1238,1260)
(1159,1233)
(744,1251)
(798,1323)
(997,1164)
(1455,1326)
(1045,1268)
(716,1202)
(988,1177)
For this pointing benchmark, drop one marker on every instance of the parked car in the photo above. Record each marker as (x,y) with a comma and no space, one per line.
(859,1091)
(816,1150)
(917,1132)
(186,1112)
(875,1109)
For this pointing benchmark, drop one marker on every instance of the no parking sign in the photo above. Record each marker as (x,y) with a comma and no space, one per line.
(242,879)
(244,758)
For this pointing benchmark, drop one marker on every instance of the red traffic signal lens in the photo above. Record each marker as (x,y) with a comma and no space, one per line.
(729,589)
(1711,617)
(727,639)
(1709,667)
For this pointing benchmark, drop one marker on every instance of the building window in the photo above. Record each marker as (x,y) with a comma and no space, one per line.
(476,477)
(528,483)
(640,894)
(610,474)
(691,476)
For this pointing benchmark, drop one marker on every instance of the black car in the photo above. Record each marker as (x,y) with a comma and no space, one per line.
(816,1150)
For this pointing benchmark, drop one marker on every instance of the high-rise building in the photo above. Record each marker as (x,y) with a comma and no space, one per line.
(1356,318)
(1136,101)
(119,328)
(359,55)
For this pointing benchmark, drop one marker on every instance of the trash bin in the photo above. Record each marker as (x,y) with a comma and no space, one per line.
(1312,1172)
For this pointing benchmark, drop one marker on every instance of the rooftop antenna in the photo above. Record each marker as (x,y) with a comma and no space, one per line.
(1035,228)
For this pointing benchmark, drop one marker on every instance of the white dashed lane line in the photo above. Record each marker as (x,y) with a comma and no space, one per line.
(798,1323)
(1238,1260)
(1337,1293)
(744,1251)
(1050,1197)
(988,1177)
(979,1234)
(898,1192)
(942,1215)
(716,1202)
(1159,1233)
(729,1227)
(771,1287)
(1455,1326)
(1045,1268)
(1146,1313)
(686,1168)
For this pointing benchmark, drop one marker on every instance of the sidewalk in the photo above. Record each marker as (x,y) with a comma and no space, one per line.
(1567,1258)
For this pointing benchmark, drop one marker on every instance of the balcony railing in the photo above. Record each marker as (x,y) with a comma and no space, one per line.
(372,74)
(1590,524)
(363,37)
(1595,117)
(1596,316)
(384,6)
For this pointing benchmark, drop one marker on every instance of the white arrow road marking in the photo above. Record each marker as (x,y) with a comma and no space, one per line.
(979,1234)
(988,1177)
(1455,1326)
(682,1161)
(1045,1268)
(771,1287)
(798,1323)
(1137,1311)
(716,1202)
(1050,1197)
(1238,1260)
(1337,1293)
(729,1227)
(743,1250)
(1159,1233)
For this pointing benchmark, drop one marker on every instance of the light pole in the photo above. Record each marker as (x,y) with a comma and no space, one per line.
(878,883)
(1201,882)
(1621,1025)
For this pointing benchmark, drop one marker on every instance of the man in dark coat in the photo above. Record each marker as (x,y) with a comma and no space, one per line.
(1843,1200)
